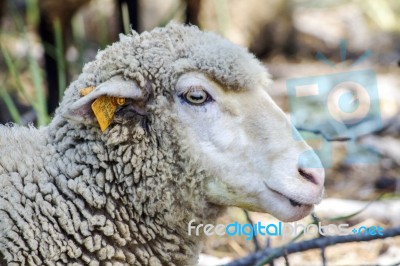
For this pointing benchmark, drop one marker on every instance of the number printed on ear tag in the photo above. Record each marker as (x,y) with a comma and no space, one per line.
(104,109)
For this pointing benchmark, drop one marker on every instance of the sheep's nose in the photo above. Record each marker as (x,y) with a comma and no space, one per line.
(313,175)
(311,169)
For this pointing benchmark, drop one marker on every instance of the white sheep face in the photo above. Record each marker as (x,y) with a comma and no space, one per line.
(246,143)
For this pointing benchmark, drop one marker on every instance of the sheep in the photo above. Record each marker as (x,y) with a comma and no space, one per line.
(162,128)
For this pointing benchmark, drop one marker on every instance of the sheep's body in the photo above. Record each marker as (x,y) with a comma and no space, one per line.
(71,194)
(68,203)
(58,209)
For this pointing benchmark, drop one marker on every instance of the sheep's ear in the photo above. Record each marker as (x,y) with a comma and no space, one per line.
(100,103)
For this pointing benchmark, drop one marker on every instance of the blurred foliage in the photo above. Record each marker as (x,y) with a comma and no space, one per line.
(23,74)
(14,67)
(384,13)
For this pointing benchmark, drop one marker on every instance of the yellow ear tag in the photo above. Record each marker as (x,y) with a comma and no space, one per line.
(104,109)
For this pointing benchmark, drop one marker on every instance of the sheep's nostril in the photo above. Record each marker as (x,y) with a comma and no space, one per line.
(308,175)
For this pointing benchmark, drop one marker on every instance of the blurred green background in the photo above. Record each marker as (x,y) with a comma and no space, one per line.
(273,30)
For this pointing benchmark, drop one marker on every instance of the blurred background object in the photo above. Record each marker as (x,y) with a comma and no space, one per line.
(55,26)
(72,31)
(45,43)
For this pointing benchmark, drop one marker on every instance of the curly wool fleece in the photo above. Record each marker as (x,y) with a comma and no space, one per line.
(71,194)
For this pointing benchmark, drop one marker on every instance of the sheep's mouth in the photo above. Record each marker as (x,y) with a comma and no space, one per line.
(294,203)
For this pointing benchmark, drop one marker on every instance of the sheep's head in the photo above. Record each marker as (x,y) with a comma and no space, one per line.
(248,145)
(214,95)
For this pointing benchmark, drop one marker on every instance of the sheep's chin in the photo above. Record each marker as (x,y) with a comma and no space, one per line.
(266,201)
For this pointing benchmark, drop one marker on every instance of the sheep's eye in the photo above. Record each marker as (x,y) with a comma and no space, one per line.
(196,96)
